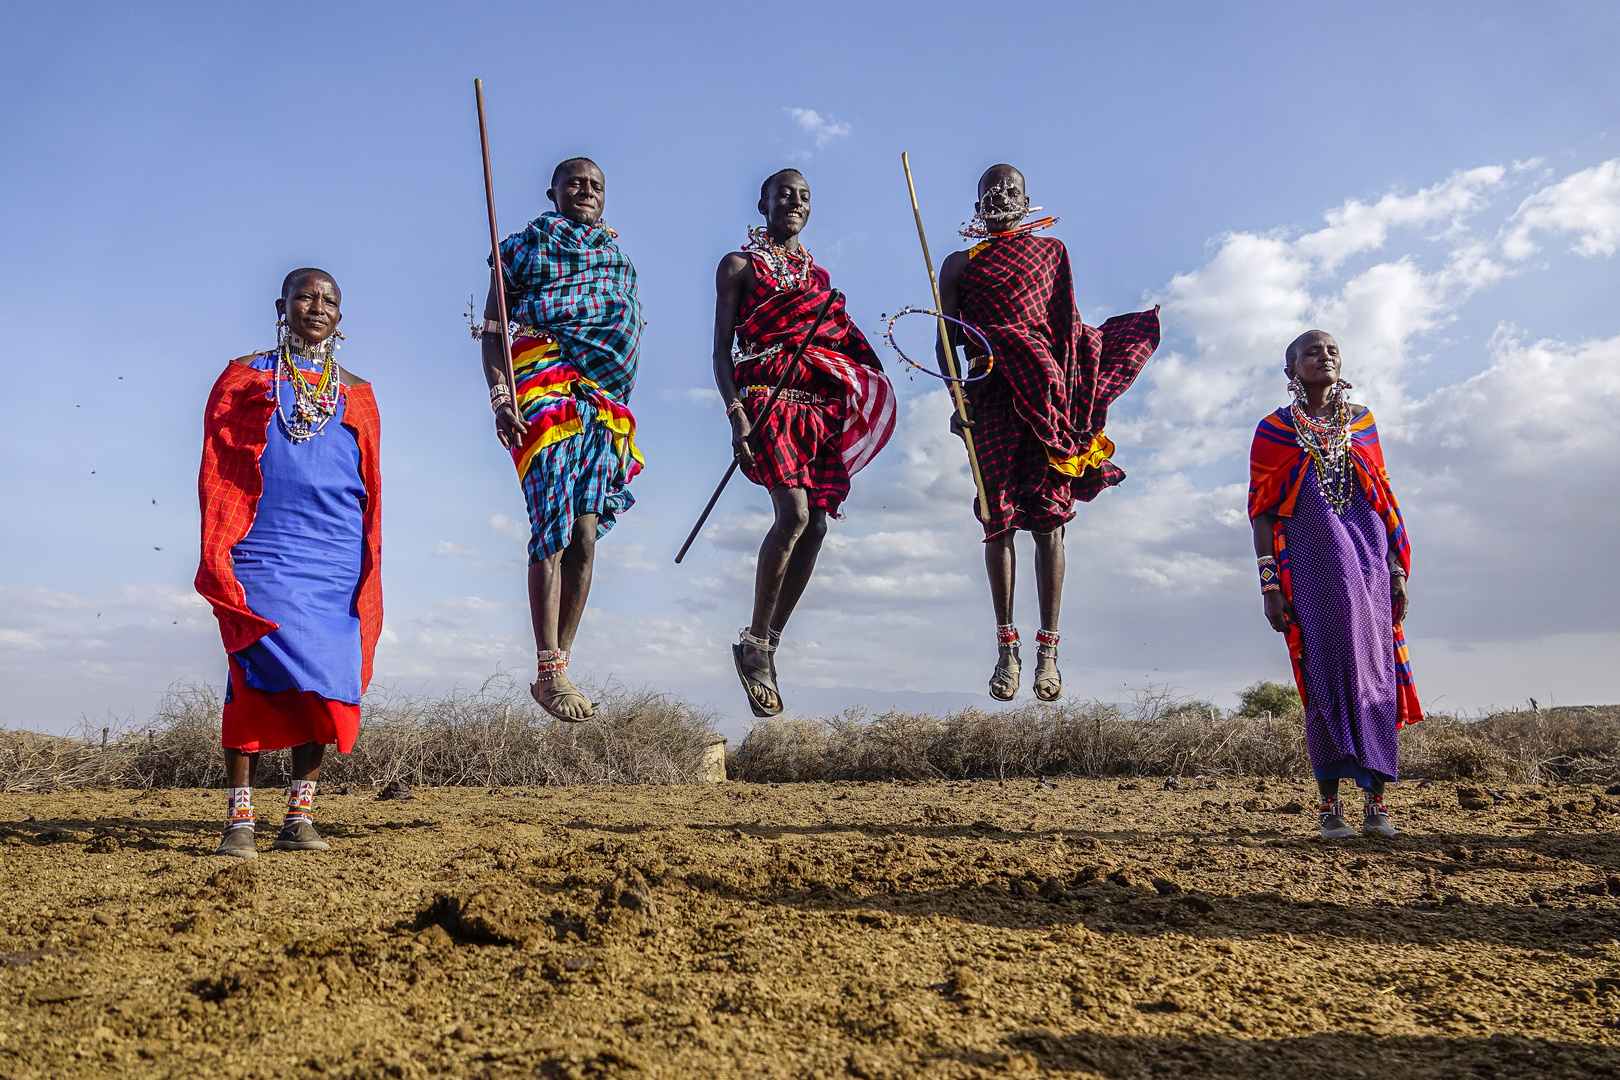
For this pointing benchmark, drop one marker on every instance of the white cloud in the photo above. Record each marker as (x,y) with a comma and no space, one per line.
(823,129)
(455,549)
(510,528)
(703,395)
(1586,204)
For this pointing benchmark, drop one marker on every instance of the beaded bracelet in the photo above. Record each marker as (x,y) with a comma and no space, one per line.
(1269,581)
(736,406)
(499,394)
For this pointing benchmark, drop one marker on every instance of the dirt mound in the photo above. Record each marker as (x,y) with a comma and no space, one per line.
(879,930)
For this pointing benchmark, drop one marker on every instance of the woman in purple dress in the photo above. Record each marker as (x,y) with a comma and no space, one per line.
(1333,560)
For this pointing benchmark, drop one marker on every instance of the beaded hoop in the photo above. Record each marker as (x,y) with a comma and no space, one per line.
(888,337)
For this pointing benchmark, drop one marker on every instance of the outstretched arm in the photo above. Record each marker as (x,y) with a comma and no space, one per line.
(732,281)
(509,425)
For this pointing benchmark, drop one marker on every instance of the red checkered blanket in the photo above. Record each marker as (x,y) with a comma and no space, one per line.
(1060,374)
(771,316)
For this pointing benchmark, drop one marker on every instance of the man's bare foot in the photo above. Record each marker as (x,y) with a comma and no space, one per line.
(1048,684)
(758,675)
(556,693)
(1004,680)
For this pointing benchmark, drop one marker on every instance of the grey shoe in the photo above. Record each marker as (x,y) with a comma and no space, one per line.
(1375,820)
(1331,815)
(238,843)
(299,835)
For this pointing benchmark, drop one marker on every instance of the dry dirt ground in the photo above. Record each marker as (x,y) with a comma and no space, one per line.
(1091,929)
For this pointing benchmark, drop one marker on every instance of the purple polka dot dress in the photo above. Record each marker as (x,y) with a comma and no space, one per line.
(1340,570)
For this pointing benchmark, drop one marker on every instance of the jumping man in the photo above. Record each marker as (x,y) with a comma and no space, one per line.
(1038,417)
(291,505)
(576,328)
(834,415)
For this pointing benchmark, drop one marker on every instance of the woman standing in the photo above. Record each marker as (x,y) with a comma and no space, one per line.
(1333,560)
(291,554)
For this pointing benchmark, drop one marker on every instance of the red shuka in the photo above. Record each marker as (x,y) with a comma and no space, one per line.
(229,484)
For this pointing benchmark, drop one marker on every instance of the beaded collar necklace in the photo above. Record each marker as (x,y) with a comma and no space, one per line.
(312,405)
(1001,197)
(1327,440)
(791,269)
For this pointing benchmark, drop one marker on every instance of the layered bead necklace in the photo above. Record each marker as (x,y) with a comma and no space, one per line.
(1327,441)
(312,404)
(1002,201)
(791,269)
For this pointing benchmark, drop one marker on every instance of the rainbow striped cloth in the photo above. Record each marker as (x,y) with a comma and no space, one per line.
(557,402)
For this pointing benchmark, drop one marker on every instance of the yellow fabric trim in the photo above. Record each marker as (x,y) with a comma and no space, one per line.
(556,434)
(976,248)
(1100,450)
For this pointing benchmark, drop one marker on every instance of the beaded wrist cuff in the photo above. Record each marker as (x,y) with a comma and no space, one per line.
(499,394)
(1269,580)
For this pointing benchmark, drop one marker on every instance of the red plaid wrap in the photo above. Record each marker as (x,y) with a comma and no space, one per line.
(815,445)
(1053,382)
(228,488)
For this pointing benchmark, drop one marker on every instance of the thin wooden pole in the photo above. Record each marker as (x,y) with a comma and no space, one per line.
(945,342)
(495,244)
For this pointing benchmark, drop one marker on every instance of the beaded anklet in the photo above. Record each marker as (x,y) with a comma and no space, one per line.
(553,662)
(1007,635)
(1046,643)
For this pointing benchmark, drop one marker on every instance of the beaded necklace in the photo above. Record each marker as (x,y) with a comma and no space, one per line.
(791,269)
(1001,198)
(1327,441)
(312,406)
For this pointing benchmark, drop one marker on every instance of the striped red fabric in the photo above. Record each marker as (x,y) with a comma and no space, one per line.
(838,363)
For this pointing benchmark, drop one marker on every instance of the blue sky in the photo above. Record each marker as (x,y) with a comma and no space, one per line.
(162,166)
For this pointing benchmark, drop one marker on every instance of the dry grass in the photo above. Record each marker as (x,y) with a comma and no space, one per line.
(496,737)
(1158,735)
(493,737)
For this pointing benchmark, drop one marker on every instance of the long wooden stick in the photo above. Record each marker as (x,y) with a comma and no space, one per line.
(945,342)
(765,410)
(495,244)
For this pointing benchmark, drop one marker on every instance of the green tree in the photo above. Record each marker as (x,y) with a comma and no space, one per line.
(1273,697)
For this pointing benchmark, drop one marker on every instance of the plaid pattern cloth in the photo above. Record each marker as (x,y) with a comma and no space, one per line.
(1039,417)
(235,425)
(817,447)
(573,476)
(572,281)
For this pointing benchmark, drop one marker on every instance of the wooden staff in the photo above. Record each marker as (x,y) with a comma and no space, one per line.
(495,245)
(764,411)
(945,342)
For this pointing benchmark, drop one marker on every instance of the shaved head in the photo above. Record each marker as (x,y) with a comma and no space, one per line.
(1294,347)
(296,278)
(995,174)
(769,185)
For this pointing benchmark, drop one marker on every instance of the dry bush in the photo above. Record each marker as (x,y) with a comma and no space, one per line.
(1159,734)
(495,736)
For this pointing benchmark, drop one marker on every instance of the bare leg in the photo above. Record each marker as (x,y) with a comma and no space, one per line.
(1050,562)
(1001,563)
(776,553)
(240,767)
(306,761)
(559,585)
(801,564)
